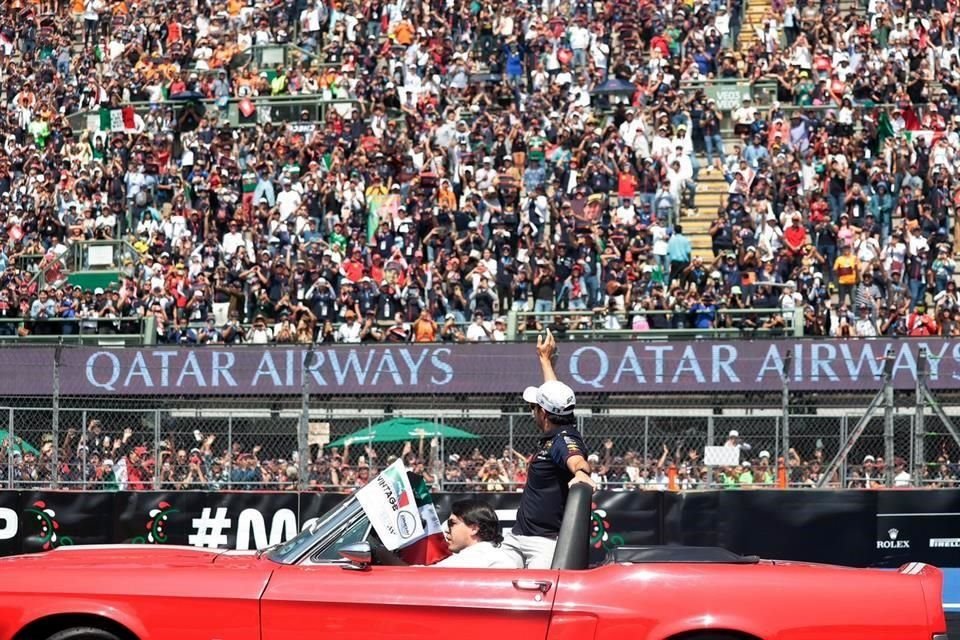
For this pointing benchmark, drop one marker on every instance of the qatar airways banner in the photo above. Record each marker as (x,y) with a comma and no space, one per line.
(597,367)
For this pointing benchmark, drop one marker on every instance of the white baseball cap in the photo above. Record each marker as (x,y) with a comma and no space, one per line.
(764,454)
(733,434)
(553,397)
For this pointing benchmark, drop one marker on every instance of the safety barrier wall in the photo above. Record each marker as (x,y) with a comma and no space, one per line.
(856,528)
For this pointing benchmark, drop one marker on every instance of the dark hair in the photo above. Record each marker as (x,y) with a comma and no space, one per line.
(561,421)
(476,513)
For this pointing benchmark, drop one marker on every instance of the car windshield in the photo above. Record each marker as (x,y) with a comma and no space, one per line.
(327,527)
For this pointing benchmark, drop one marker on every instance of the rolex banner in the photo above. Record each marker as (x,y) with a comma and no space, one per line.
(117,119)
(390,504)
(431,547)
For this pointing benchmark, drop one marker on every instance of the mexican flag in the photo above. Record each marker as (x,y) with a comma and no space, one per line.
(884,130)
(431,547)
(117,119)
(382,208)
(927,136)
(374,202)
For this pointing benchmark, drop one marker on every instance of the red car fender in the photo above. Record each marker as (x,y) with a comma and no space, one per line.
(36,607)
(707,622)
(931,581)
(572,626)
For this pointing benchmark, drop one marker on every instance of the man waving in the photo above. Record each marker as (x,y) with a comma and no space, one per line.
(560,461)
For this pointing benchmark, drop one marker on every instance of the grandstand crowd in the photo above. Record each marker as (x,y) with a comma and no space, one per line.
(483,159)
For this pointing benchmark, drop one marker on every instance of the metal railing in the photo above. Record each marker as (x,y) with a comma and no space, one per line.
(284,108)
(729,323)
(113,332)
(582,325)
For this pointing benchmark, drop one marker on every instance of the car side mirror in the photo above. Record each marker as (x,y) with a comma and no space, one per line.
(358,556)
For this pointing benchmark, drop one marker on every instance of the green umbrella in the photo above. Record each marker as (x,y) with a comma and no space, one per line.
(401,430)
(22,447)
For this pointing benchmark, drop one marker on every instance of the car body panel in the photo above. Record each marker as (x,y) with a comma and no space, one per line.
(657,601)
(188,594)
(405,603)
(184,593)
(155,592)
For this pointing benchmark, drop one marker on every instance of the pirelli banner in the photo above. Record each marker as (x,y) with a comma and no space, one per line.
(857,528)
(438,369)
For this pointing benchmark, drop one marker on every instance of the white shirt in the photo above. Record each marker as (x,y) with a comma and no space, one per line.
(287,202)
(629,129)
(232,240)
(865,328)
(481,555)
(902,479)
(349,332)
(475,333)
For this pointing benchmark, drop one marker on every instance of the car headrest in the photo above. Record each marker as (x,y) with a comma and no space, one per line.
(573,542)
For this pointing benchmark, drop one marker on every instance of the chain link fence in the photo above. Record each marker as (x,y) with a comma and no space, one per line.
(653,448)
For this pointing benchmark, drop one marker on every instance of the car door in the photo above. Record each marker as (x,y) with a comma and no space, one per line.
(406,603)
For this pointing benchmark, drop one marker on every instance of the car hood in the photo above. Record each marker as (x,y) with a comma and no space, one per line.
(115,556)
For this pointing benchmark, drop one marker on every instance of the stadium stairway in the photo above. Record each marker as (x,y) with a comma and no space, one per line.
(752,19)
(711,195)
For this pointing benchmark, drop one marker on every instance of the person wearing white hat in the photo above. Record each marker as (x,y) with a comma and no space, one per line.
(560,462)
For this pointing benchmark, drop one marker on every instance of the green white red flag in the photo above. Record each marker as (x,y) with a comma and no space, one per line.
(430,547)
(117,119)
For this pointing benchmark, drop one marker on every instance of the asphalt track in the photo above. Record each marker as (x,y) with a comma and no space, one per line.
(951,600)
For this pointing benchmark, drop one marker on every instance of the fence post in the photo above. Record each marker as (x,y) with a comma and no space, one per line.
(303,443)
(889,441)
(798,322)
(11,443)
(710,436)
(646,439)
(510,434)
(83,452)
(149,328)
(441,468)
(55,414)
(233,460)
(511,325)
(919,428)
(156,448)
(777,440)
(843,461)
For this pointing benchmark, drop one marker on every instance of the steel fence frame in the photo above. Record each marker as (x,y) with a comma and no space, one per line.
(636,438)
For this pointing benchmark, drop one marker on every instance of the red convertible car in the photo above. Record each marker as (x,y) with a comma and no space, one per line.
(323,585)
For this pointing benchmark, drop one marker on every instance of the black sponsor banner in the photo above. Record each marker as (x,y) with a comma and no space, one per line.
(51,519)
(857,528)
(155,517)
(909,529)
(626,518)
(835,527)
(11,527)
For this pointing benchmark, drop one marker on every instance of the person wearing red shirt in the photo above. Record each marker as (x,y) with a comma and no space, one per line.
(353,267)
(376,269)
(138,477)
(795,236)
